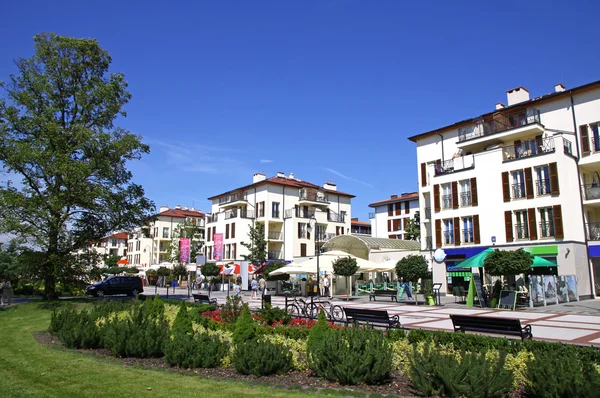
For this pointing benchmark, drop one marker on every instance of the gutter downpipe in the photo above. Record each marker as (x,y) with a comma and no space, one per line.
(585,237)
(442,137)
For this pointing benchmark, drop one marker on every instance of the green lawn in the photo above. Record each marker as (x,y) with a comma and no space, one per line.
(28,368)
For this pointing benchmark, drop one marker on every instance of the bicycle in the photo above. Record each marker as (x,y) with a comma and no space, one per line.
(310,309)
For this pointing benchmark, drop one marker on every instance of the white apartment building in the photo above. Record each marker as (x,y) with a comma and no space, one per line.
(113,245)
(285,205)
(391,216)
(521,176)
(151,244)
(360,227)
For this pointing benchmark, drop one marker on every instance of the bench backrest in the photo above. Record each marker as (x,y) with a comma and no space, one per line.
(486,322)
(385,292)
(201,297)
(361,313)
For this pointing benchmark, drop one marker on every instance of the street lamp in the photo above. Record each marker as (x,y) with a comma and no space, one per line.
(310,226)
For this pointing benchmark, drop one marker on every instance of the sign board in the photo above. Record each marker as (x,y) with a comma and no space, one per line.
(439,255)
(218,247)
(479,289)
(184,250)
(508,300)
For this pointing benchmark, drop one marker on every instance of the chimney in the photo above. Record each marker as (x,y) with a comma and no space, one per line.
(185,208)
(330,185)
(395,196)
(163,208)
(354,219)
(559,88)
(280,174)
(258,177)
(517,95)
(500,105)
(291,176)
(177,207)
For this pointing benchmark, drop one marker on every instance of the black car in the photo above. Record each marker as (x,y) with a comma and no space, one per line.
(129,285)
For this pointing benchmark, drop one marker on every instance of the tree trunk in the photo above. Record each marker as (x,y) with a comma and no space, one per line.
(347,289)
(50,282)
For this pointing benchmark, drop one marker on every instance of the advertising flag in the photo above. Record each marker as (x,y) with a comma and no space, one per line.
(218,247)
(184,250)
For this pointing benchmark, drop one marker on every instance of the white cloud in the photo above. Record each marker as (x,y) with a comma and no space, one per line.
(266,161)
(345,177)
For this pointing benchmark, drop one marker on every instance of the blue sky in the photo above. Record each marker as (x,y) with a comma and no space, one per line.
(323,89)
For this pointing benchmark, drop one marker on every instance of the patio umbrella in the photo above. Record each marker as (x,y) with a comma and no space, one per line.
(475,261)
(123,261)
(326,262)
(292,269)
(381,267)
(542,262)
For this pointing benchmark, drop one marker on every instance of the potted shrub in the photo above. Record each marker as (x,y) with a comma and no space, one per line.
(496,293)
(428,291)
(412,268)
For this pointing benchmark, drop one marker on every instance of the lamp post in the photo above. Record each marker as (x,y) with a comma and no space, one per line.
(312,220)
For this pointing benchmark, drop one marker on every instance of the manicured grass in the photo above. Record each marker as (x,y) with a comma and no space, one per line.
(30,369)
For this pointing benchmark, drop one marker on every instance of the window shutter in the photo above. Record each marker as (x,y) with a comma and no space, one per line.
(558,225)
(406,208)
(554,188)
(532,224)
(454,195)
(233,255)
(508,225)
(528,183)
(226,231)
(299,230)
(473,191)
(423,175)
(302,249)
(404,223)
(396,224)
(476,237)
(505,187)
(436,197)
(456,231)
(585,140)
(389,226)
(438,233)
(398,209)
(390,210)
(233,231)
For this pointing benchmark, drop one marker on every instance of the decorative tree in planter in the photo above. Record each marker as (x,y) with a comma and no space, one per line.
(345,266)
(210,270)
(411,269)
(504,263)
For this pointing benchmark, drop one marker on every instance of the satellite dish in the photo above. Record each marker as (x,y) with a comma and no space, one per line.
(439,255)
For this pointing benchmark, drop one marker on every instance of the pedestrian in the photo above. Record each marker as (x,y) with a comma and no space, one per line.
(254,287)
(326,285)
(6,288)
(239,280)
(238,289)
(262,286)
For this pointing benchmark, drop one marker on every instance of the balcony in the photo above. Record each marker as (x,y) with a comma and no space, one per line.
(211,218)
(518,191)
(313,197)
(428,213)
(467,235)
(448,237)
(528,149)
(459,163)
(335,217)
(593,230)
(234,199)
(275,214)
(371,215)
(446,202)
(246,213)
(546,229)
(231,214)
(591,191)
(543,187)
(521,231)
(324,236)
(299,212)
(275,255)
(428,243)
(275,235)
(465,199)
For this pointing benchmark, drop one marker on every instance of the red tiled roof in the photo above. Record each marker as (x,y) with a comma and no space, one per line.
(361,223)
(180,213)
(287,182)
(402,198)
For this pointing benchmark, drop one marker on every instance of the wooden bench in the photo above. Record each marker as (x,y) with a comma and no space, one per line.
(493,325)
(372,317)
(204,299)
(386,293)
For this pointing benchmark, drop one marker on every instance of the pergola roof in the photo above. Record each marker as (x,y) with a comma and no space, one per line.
(361,246)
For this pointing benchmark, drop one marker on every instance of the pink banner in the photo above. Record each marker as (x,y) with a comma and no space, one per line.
(184,250)
(218,247)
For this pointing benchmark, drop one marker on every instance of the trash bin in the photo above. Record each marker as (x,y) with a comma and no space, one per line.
(266,298)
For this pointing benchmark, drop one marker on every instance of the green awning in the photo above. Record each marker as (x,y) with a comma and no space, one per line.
(542,262)
(475,261)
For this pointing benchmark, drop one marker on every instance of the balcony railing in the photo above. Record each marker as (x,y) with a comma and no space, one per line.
(234,197)
(591,191)
(446,201)
(428,213)
(313,196)
(593,230)
(275,214)
(335,217)
(465,199)
(210,218)
(528,149)
(521,231)
(428,243)
(456,164)
(324,236)
(448,237)
(543,187)
(546,229)
(371,215)
(299,212)
(231,214)
(467,235)
(275,255)
(275,235)
(500,123)
(247,213)
(518,191)
(567,146)
(595,147)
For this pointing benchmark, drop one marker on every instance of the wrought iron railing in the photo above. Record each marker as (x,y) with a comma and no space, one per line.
(595,147)
(299,212)
(543,187)
(546,229)
(500,123)
(210,218)
(591,191)
(234,197)
(335,217)
(428,213)
(465,199)
(455,164)
(446,201)
(528,149)
(313,196)
(275,214)
(274,255)
(247,213)
(518,191)
(567,146)
(428,243)
(467,235)
(593,230)
(231,214)
(324,236)
(371,215)
(448,237)
(275,235)
(521,231)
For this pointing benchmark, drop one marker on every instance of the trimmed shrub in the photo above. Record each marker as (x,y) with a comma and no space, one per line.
(232,309)
(269,315)
(75,329)
(352,356)
(261,358)
(245,328)
(195,351)
(183,321)
(316,338)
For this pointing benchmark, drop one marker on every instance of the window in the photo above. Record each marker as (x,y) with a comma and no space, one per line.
(521,225)
(275,209)
(396,224)
(260,209)
(136,259)
(448,232)
(446,196)
(227,249)
(390,210)
(233,231)
(155,232)
(342,216)
(233,251)
(406,207)
(302,230)
(226,231)
(547,222)
(209,252)
(398,209)
(518,185)
(165,232)
(467,234)
(302,249)
(208,235)
(113,242)
(542,182)
(137,246)
(465,193)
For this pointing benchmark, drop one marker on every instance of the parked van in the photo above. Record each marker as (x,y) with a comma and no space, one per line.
(129,285)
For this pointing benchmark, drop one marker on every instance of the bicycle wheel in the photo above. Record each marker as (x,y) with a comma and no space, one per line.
(337,313)
(293,310)
(312,310)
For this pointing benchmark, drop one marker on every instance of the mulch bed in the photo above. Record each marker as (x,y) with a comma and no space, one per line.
(295,380)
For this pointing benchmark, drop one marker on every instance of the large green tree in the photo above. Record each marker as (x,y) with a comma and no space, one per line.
(257,246)
(413,227)
(187,229)
(345,266)
(508,262)
(58,136)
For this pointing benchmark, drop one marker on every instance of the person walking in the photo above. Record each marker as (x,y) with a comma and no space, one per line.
(254,287)
(326,285)
(6,288)
(262,286)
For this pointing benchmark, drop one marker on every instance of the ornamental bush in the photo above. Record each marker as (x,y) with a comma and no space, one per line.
(183,321)
(270,315)
(412,268)
(316,338)
(352,356)
(195,351)
(75,329)
(508,262)
(245,328)
(261,358)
